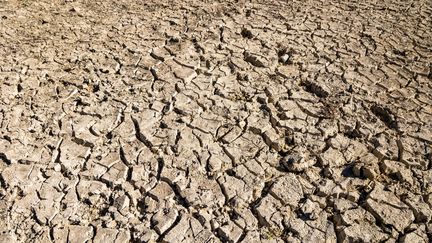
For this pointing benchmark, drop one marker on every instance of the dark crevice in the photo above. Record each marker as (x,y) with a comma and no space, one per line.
(161,165)
(255,204)
(386,116)
(176,222)
(315,89)
(141,136)
(5,159)
(176,189)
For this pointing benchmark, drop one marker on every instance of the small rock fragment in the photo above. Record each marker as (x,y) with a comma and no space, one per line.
(297,161)
(387,206)
(288,189)
(255,60)
(80,234)
(163,219)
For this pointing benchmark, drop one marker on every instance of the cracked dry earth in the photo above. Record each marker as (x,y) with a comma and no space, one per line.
(185,121)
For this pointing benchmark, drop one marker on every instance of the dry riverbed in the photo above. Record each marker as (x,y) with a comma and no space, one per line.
(199,121)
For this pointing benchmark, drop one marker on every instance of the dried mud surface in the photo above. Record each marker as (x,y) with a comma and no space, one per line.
(191,121)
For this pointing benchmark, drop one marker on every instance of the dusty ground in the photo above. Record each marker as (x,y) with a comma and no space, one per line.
(183,121)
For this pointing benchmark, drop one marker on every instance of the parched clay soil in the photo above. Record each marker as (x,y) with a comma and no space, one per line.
(204,121)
